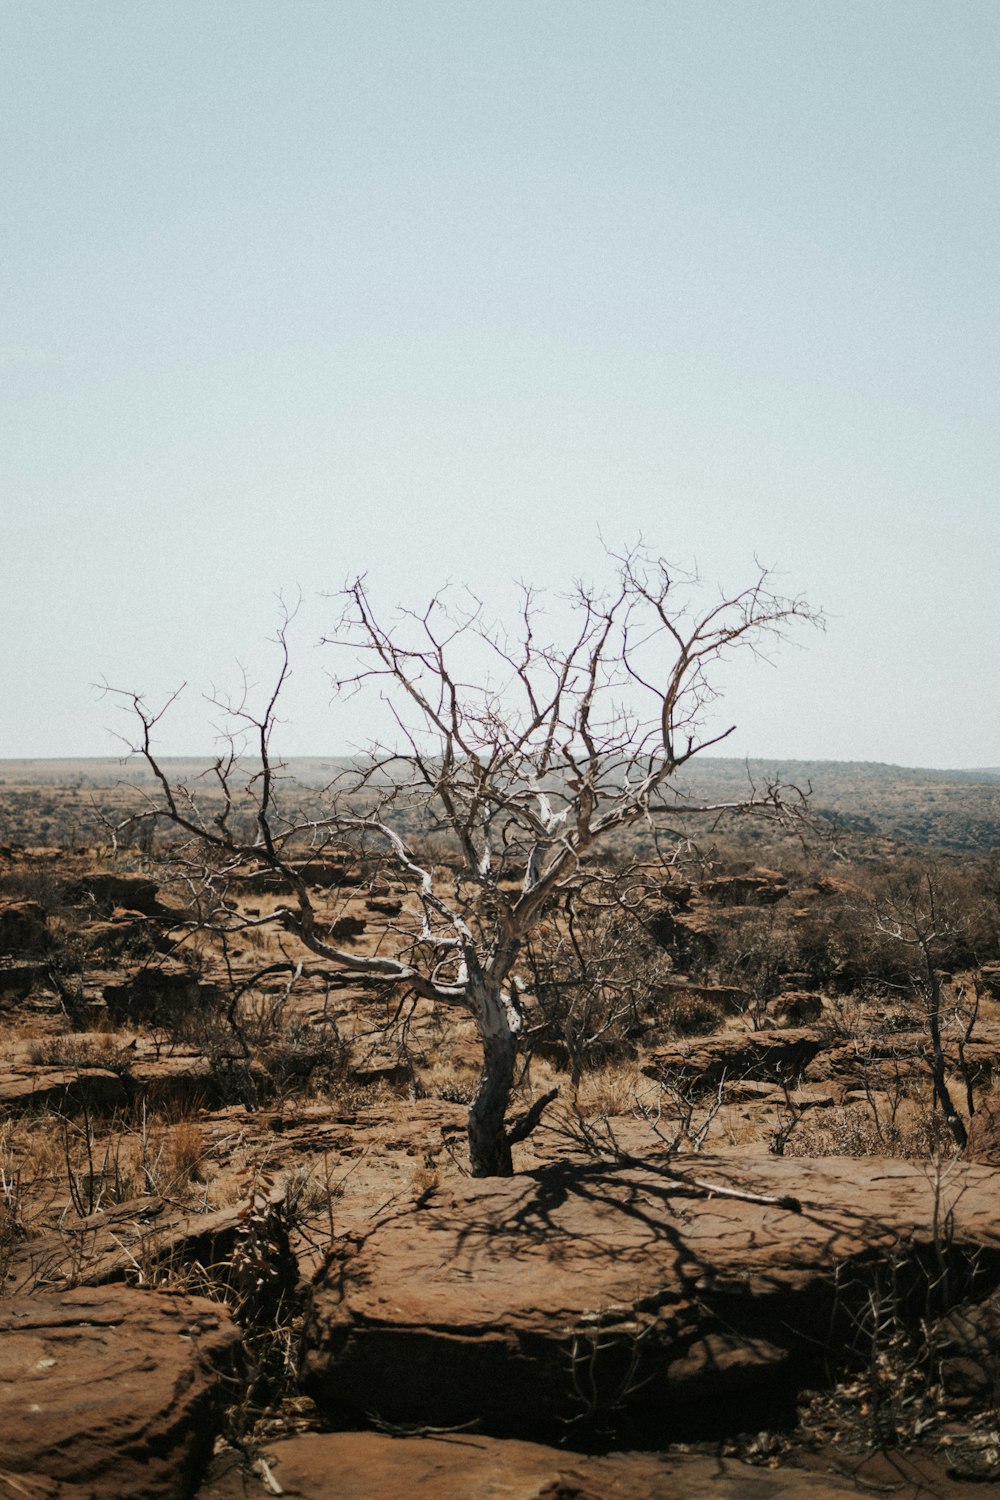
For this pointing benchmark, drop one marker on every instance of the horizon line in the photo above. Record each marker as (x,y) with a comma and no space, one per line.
(122,760)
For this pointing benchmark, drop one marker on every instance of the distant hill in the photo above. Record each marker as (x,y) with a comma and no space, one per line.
(938,809)
(948,810)
(109,771)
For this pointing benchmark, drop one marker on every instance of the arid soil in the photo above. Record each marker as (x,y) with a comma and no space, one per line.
(744,1254)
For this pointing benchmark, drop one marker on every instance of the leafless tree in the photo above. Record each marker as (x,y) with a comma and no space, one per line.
(917,919)
(526,753)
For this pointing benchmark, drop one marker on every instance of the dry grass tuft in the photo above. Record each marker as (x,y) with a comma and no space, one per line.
(455,1082)
(186,1153)
(616,1089)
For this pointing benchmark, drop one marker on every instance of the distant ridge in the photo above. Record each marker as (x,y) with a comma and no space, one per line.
(916,808)
(110,769)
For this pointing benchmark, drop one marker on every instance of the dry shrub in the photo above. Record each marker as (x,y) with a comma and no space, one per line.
(90,1050)
(853,1130)
(692,1014)
(305,1057)
(12,1228)
(102,1166)
(596,976)
(31,1145)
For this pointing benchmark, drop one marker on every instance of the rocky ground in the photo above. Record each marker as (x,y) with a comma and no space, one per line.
(241,1253)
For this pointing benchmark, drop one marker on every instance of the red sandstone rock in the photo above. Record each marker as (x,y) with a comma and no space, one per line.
(584,1292)
(110,1392)
(166,994)
(23,927)
(795,1007)
(761,1055)
(104,891)
(758,888)
(466,1466)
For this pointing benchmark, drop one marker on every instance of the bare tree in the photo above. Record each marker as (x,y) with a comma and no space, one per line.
(916,917)
(525,753)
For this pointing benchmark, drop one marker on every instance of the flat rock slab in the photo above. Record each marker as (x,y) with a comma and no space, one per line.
(361,1465)
(110,1392)
(585,1294)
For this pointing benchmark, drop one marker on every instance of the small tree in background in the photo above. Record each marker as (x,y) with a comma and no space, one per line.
(531,754)
(924,926)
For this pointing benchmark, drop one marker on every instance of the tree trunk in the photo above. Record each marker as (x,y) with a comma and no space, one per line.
(938,1065)
(489,1148)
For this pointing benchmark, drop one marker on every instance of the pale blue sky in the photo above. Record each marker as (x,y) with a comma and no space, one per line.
(297,289)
